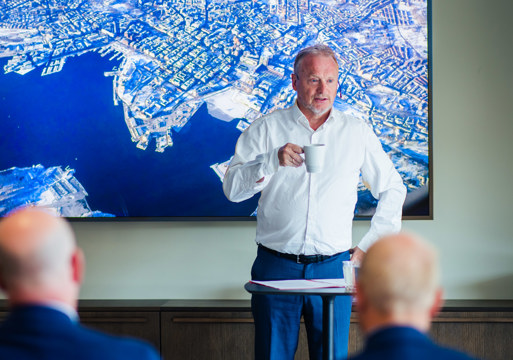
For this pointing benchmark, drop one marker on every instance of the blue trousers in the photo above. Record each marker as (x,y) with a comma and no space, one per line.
(277,317)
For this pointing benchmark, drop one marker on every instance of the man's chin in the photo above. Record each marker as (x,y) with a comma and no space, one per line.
(319,112)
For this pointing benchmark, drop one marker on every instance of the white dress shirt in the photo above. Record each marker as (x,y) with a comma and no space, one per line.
(312,213)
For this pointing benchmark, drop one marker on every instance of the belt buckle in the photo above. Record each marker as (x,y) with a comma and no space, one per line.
(297,259)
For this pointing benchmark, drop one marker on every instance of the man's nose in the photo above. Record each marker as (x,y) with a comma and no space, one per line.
(321,86)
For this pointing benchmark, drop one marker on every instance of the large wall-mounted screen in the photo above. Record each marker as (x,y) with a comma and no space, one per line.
(131,109)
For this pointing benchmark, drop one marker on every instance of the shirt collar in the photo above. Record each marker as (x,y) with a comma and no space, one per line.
(298,115)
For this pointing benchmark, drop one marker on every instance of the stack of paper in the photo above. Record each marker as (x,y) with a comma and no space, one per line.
(302,284)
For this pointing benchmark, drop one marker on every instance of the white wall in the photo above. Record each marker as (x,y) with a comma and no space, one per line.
(473,176)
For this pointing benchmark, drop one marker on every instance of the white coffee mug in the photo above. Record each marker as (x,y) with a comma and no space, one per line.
(314,157)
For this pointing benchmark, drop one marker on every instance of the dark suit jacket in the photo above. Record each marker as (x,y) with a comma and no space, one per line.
(42,333)
(404,343)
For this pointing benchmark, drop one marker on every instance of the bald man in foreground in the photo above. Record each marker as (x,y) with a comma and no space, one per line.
(397,296)
(41,270)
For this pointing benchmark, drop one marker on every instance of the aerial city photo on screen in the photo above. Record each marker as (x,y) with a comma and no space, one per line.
(132,108)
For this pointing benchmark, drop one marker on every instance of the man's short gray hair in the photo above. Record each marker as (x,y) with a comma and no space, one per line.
(317,49)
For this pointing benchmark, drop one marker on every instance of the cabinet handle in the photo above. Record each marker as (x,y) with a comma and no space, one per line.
(211,320)
(114,320)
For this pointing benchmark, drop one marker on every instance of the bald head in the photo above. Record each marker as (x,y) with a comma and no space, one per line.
(398,278)
(37,257)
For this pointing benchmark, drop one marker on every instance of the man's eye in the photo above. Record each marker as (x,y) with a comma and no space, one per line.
(314,80)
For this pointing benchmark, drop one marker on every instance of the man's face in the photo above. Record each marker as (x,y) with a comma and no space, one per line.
(316,85)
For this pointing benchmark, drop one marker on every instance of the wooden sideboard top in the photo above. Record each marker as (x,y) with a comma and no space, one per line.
(245,305)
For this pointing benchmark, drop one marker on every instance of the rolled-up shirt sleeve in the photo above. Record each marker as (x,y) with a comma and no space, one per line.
(387,186)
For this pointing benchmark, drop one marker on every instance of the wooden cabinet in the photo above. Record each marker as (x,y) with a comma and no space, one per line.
(221,334)
(138,319)
(207,335)
(142,325)
(206,330)
(483,331)
(223,329)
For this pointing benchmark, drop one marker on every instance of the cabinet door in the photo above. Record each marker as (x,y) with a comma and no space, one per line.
(212,336)
(485,335)
(142,325)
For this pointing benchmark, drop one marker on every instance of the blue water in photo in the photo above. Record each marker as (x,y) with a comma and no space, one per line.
(69,119)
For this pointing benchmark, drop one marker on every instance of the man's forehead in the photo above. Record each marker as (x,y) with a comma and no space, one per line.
(312,57)
(320,71)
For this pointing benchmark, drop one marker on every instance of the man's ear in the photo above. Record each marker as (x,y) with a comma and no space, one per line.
(294,79)
(3,286)
(437,303)
(361,301)
(78,265)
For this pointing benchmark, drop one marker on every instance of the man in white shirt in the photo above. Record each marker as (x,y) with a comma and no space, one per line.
(304,220)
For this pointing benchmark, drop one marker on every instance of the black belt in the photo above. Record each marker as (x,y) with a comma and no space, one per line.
(300,259)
